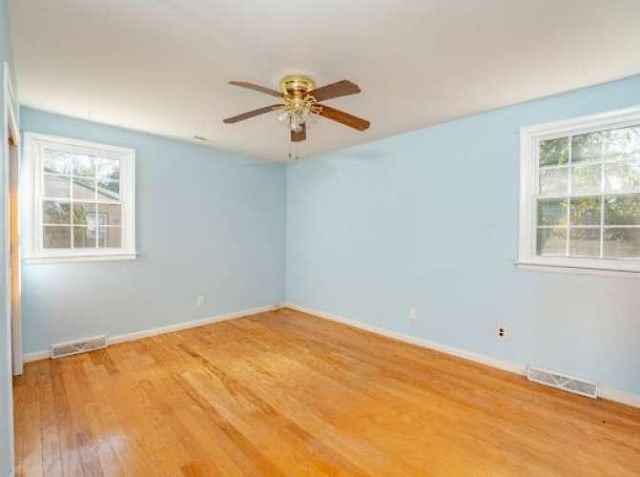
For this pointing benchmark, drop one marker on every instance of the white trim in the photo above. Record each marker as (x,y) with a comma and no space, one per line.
(138,335)
(11,123)
(538,267)
(585,124)
(604,392)
(619,396)
(84,258)
(117,151)
(35,253)
(37,355)
(529,139)
(13,118)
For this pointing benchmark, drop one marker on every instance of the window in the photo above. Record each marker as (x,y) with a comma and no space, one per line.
(580,193)
(80,205)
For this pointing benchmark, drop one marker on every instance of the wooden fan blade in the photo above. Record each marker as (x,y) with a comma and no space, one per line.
(334,90)
(250,114)
(255,87)
(297,136)
(344,118)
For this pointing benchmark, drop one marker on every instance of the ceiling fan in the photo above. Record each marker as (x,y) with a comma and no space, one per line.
(300,98)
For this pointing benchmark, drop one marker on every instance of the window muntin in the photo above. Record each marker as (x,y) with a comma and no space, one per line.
(588,200)
(580,201)
(82,198)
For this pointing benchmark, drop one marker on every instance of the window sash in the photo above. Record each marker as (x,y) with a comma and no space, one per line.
(530,139)
(35,144)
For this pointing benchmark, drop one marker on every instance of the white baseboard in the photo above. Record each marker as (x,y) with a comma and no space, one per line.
(137,335)
(605,393)
(619,396)
(36,355)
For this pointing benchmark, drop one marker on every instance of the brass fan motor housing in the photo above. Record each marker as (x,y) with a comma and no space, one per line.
(296,85)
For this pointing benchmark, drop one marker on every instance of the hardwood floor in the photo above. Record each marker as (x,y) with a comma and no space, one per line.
(283,393)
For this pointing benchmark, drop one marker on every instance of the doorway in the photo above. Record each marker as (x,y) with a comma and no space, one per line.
(12,248)
(13,220)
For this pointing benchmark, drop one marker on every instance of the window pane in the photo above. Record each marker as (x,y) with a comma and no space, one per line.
(81,206)
(554,181)
(58,162)
(84,214)
(56,187)
(585,211)
(622,176)
(584,242)
(83,166)
(586,178)
(622,210)
(108,190)
(586,147)
(110,237)
(622,243)
(552,212)
(621,143)
(554,151)
(83,188)
(109,214)
(56,236)
(551,241)
(55,212)
(84,237)
(108,169)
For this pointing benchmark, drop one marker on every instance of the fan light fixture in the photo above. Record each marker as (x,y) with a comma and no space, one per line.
(298,104)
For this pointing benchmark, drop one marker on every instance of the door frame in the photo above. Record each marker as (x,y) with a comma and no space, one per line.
(11,133)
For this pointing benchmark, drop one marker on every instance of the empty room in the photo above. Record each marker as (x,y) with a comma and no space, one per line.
(268,238)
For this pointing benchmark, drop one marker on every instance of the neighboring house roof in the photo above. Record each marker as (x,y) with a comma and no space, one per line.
(58,185)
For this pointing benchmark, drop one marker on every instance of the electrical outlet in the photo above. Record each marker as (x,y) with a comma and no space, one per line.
(413,313)
(502,332)
(200,300)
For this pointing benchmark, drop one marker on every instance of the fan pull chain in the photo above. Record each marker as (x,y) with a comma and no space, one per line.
(293,151)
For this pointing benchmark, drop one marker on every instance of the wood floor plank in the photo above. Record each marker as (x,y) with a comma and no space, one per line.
(31,464)
(19,397)
(285,393)
(51,462)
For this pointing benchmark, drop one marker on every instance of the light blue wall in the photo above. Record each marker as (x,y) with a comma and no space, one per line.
(6,420)
(209,223)
(430,219)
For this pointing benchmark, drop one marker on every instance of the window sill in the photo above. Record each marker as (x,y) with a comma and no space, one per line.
(578,270)
(77,259)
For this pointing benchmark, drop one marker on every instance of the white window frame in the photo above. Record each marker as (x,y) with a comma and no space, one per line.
(530,138)
(34,144)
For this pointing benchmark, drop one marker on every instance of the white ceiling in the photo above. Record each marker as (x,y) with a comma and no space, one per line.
(162,66)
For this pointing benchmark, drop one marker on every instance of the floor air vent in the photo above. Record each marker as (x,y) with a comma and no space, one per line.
(572,384)
(76,347)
